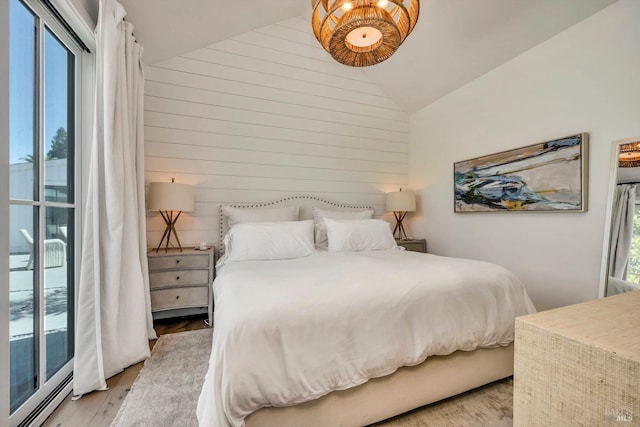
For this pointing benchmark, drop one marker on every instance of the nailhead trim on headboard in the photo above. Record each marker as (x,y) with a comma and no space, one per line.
(222,228)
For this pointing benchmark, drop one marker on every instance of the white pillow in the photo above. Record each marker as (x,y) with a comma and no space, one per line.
(320,214)
(245,215)
(359,235)
(261,241)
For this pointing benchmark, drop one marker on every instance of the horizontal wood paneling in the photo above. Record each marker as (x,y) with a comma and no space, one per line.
(200,172)
(194,152)
(266,115)
(238,142)
(234,116)
(320,87)
(246,50)
(266,133)
(241,104)
(252,91)
(294,72)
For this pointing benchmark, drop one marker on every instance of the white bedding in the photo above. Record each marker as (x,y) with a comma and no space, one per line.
(290,331)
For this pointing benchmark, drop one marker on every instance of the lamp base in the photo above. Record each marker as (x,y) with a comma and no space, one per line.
(170,222)
(402,235)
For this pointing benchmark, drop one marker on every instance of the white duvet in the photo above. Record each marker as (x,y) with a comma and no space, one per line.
(293,330)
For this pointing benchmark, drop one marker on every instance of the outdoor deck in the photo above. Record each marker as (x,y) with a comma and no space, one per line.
(21,324)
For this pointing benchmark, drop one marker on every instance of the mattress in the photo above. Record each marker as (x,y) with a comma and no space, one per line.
(290,331)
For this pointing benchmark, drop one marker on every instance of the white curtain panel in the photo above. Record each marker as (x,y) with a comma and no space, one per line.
(114,320)
(624,205)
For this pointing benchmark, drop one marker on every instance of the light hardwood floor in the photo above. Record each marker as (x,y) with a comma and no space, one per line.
(98,409)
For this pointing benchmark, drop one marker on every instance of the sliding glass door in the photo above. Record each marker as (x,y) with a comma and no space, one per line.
(43,107)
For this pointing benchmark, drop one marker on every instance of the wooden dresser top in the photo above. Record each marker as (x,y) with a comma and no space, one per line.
(612,323)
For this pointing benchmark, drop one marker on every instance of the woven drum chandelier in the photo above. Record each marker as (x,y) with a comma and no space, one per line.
(360,33)
(629,155)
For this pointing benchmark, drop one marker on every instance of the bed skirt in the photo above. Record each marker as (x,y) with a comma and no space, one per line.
(408,388)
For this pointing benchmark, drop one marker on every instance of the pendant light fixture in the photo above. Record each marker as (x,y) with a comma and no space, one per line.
(360,33)
(629,155)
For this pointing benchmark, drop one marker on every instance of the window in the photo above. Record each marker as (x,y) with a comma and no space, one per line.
(45,69)
(633,270)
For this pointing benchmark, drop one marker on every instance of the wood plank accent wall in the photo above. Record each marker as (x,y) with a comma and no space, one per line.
(265,115)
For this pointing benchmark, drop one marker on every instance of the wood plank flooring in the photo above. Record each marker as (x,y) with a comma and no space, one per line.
(98,409)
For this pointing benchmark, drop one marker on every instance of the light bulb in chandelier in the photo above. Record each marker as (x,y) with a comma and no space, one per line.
(363,32)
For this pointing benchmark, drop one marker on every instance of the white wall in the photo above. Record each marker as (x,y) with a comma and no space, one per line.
(86,9)
(586,79)
(265,115)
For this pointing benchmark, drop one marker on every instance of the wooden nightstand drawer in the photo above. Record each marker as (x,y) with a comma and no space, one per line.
(414,245)
(169,299)
(180,282)
(161,279)
(160,262)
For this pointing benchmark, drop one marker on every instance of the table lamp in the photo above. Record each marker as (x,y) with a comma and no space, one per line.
(401,202)
(171,199)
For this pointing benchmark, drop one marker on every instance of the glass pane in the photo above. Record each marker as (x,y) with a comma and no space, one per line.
(58,122)
(22,318)
(58,288)
(22,111)
(633,270)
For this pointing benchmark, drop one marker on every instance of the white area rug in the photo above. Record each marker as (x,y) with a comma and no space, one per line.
(167,389)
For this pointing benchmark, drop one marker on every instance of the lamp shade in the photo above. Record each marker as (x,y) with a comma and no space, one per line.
(401,201)
(170,196)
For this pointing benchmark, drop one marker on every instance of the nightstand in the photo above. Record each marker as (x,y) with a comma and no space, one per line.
(180,282)
(414,245)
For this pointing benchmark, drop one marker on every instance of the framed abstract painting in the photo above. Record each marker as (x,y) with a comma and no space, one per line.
(546,177)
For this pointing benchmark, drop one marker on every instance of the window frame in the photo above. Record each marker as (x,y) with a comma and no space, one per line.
(84,66)
(636,212)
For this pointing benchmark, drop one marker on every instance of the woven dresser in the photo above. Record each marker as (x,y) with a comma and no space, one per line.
(579,365)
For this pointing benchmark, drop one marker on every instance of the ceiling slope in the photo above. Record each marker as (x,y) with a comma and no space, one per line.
(457,41)
(167,28)
(454,42)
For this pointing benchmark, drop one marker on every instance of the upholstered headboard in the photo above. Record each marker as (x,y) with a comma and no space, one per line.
(306,204)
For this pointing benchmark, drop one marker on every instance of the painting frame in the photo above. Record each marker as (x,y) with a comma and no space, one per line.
(549,176)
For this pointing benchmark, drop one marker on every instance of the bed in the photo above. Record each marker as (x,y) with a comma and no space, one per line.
(348,337)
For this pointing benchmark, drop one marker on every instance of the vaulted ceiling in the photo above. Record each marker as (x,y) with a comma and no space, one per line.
(454,42)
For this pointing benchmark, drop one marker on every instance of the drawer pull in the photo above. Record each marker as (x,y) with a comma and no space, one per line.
(177,261)
(177,277)
(177,296)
